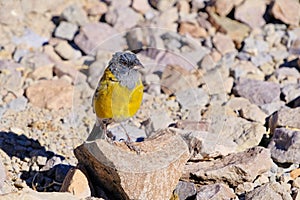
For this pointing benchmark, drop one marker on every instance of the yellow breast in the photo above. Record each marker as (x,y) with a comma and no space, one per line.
(112,100)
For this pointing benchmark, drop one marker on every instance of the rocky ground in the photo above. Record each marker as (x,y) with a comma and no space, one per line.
(224,73)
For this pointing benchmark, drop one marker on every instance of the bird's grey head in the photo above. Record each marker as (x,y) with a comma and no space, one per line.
(125,61)
(123,66)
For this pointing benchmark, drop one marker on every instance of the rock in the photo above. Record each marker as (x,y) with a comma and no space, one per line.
(96,70)
(295,173)
(193,29)
(34,195)
(176,78)
(162,5)
(233,169)
(223,7)
(96,8)
(183,8)
(223,136)
(19,104)
(3,175)
(246,69)
(243,133)
(258,92)
(62,69)
(284,146)
(185,190)
(215,192)
(10,77)
(93,36)
(295,48)
(66,30)
(167,19)
(41,160)
(11,18)
(255,46)
(118,132)
(217,82)
(203,144)
(75,14)
(66,51)
(42,72)
(234,29)
(192,97)
(128,175)
(286,75)
(269,191)
(270,108)
(141,6)
(153,82)
(223,43)
(76,183)
(251,13)
(244,187)
(51,94)
(30,39)
(247,110)
(286,117)
(288,12)
(35,60)
(19,54)
(159,120)
(119,18)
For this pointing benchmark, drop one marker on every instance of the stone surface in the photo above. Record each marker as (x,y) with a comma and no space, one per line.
(162,5)
(185,190)
(234,29)
(284,145)
(269,191)
(246,69)
(66,51)
(51,94)
(247,110)
(119,18)
(223,7)
(192,29)
(62,69)
(31,194)
(215,192)
(128,175)
(191,98)
(286,117)
(258,92)
(75,14)
(251,12)
(176,78)
(223,43)
(243,133)
(76,183)
(141,6)
(291,92)
(295,173)
(66,30)
(3,176)
(288,12)
(233,169)
(93,36)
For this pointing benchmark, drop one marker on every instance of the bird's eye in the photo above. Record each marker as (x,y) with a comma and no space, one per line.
(123,62)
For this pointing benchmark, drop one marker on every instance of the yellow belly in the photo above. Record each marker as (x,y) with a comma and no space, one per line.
(116,101)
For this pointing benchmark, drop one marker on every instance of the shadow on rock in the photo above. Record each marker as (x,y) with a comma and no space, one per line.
(42,170)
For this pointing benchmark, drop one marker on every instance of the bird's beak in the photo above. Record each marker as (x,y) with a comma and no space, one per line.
(138,65)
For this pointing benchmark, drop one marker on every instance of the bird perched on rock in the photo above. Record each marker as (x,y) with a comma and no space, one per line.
(119,93)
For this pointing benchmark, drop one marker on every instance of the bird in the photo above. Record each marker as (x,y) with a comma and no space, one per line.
(119,93)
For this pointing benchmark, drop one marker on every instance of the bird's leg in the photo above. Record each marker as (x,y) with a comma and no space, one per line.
(129,142)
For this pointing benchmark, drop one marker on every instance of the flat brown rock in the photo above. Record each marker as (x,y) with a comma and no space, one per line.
(152,174)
